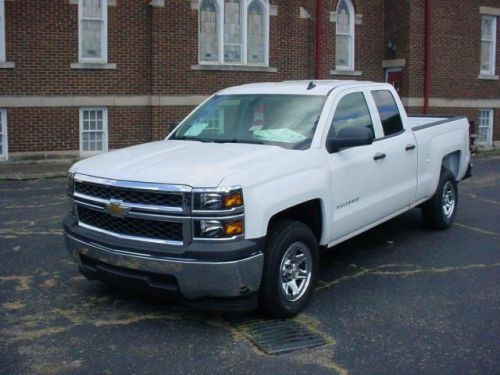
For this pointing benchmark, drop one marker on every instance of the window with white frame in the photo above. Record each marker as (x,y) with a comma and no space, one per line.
(3,135)
(93,30)
(234,32)
(488,44)
(93,130)
(344,44)
(2,31)
(485,136)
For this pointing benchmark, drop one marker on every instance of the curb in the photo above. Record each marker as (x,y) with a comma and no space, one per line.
(31,176)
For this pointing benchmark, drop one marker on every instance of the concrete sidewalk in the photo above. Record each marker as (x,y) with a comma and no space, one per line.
(34,169)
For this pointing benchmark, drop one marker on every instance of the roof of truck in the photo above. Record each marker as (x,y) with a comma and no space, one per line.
(318,87)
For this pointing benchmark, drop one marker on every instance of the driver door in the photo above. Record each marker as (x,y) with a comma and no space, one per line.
(355,182)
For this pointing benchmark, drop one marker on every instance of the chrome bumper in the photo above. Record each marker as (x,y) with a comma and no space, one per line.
(196,279)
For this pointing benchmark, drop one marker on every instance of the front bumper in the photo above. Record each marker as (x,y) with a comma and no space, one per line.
(193,279)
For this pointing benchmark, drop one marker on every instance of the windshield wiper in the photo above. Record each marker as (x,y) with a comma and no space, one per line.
(184,138)
(251,141)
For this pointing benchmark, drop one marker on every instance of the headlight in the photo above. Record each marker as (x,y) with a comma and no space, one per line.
(71,183)
(218,201)
(218,228)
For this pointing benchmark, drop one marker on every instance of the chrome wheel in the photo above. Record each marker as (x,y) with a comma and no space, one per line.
(449,198)
(296,270)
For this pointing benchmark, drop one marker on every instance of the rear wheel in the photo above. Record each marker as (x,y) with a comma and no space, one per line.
(439,212)
(290,269)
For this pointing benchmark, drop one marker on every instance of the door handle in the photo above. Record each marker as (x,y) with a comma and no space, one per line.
(410,147)
(379,156)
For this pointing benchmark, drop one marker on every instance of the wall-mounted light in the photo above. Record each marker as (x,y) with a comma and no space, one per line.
(391,46)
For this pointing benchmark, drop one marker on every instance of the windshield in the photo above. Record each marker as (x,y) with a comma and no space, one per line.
(284,120)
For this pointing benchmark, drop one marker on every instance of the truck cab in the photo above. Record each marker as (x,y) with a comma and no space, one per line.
(229,211)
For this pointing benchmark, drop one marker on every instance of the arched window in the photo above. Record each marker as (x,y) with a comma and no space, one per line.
(209,41)
(234,32)
(256,33)
(344,51)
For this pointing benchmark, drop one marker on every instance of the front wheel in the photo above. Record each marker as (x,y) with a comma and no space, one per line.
(290,269)
(440,210)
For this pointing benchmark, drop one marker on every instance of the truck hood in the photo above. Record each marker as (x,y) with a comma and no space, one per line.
(177,162)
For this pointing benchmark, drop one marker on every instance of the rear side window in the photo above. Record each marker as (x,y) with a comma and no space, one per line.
(388,111)
(352,111)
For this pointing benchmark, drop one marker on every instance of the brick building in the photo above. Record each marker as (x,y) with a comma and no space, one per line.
(83,76)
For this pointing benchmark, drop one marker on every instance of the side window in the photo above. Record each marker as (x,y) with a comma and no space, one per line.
(352,111)
(93,25)
(93,130)
(388,111)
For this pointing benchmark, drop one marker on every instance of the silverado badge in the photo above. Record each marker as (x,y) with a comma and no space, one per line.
(117,208)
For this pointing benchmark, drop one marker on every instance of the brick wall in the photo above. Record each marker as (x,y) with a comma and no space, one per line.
(42,39)
(156,48)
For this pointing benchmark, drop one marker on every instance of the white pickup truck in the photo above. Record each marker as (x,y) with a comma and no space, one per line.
(230,209)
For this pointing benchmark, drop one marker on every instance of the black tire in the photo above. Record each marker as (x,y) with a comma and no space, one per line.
(434,213)
(286,237)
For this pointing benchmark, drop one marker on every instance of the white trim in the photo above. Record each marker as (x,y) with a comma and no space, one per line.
(99,101)
(7,65)
(340,72)
(244,29)
(303,13)
(157,3)
(488,77)
(111,3)
(104,35)
(351,46)
(489,11)
(193,100)
(413,102)
(273,10)
(452,103)
(493,43)
(491,115)
(104,130)
(394,63)
(235,68)
(93,66)
(2,31)
(5,136)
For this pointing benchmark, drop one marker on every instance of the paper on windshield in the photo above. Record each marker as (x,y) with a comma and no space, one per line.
(196,129)
(279,135)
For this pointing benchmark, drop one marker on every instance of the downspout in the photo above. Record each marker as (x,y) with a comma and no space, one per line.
(427,54)
(151,76)
(319,39)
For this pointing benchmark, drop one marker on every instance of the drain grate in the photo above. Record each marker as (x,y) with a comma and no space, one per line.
(276,336)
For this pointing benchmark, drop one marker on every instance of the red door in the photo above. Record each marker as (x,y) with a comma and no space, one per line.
(395,78)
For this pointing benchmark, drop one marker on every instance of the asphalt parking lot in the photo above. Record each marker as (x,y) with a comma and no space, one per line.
(399,299)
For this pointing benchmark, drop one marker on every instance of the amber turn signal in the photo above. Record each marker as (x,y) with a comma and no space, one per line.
(233,228)
(233,200)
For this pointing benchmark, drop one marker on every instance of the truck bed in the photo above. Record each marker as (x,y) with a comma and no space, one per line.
(417,121)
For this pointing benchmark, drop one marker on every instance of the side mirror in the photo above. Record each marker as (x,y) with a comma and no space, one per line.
(350,137)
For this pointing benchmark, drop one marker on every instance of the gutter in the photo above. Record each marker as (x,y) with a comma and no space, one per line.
(427,54)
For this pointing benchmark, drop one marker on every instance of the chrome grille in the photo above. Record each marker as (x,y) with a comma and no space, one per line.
(140,211)
(153,198)
(151,229)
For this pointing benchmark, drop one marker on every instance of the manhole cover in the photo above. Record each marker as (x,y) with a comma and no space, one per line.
(276,336)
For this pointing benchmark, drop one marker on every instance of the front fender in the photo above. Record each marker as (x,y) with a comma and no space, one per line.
(264,200)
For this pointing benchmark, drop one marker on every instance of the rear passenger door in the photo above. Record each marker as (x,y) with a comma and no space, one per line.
(395,155)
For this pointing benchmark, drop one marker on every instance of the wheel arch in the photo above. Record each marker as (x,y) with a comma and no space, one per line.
(451,161)
(310,212)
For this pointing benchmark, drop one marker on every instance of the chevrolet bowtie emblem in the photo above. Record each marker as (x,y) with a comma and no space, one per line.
(117,208)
